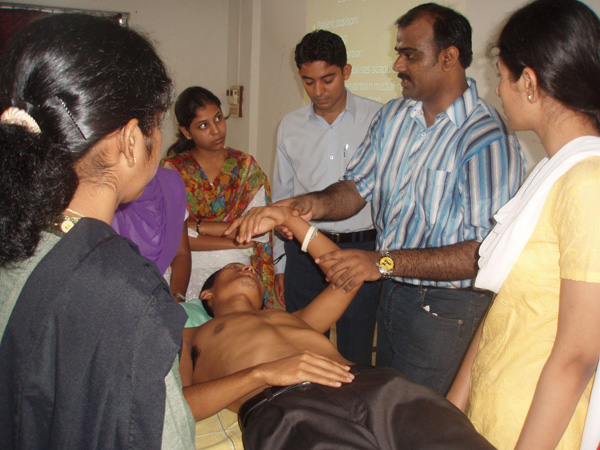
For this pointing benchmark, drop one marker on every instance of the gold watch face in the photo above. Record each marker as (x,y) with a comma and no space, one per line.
(386,263)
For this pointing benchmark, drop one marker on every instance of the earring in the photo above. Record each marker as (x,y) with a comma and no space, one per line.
(189,138)
(529,97)
(134,160)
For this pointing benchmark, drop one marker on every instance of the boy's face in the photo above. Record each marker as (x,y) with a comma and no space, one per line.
(235,279)
(324,84)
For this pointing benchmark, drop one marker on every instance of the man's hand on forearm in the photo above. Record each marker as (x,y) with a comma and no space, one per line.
(301,207)
(351,268)
(336,202)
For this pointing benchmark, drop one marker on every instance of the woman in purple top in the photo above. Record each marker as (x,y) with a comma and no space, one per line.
(155,222)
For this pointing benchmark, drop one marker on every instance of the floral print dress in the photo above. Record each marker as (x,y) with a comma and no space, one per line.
(226,199)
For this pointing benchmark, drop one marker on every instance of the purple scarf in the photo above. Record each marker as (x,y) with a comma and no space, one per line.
(154,221)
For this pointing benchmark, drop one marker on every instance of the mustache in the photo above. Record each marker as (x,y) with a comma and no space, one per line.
(403,76)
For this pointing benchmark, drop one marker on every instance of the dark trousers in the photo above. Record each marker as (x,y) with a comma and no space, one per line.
(380,409)
(355,330)
(424,332)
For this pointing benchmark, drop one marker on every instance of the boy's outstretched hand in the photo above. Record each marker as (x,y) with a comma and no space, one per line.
(258,221)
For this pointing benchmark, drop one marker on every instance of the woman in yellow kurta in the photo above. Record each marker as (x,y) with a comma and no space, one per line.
(526,379)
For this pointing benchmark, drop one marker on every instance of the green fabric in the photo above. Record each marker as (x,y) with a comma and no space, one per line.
(179,428)
(13,278)
(197,315)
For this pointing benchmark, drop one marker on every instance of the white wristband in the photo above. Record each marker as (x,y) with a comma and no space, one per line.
(310,235)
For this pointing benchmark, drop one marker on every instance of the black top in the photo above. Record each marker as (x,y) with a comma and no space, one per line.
(92,336)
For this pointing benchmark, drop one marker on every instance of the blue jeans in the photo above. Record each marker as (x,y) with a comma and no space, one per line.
(303,281)
(424,332)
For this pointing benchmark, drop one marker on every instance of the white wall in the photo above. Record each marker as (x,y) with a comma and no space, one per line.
(218,43)
(371,34)
(190,35)
(280,90)
(486,18)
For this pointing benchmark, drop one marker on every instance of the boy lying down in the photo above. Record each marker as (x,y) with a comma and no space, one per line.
(287,381)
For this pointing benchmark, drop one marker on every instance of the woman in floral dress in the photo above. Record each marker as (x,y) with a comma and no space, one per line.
(221,184)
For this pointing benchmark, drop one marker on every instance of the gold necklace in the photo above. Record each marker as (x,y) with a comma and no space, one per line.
(64,223)
(74,212)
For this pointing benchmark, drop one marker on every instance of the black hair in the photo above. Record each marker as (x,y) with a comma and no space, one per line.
(560,41)
(321,45)
(186,108)
(80,78)
(208,284)
(449,29)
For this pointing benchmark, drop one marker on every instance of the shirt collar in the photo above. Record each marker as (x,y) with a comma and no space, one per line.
(459,110)
(350,108)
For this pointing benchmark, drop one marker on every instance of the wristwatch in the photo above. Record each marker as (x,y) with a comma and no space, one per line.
(385,265)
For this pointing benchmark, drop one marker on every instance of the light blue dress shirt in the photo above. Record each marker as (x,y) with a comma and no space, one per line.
(311,155)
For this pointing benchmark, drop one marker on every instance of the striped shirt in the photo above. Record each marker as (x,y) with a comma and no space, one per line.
(436,186)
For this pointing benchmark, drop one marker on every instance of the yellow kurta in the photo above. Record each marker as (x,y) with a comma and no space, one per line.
(520,328)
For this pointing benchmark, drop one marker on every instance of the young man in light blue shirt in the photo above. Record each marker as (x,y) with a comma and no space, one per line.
(314,145)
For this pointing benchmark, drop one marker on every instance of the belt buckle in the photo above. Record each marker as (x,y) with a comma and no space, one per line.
(335,237)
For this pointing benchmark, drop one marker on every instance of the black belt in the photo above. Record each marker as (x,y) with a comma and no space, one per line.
(416,286)
(355,236)
(263,397)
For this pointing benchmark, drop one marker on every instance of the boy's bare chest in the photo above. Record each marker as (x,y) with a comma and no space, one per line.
(241,342)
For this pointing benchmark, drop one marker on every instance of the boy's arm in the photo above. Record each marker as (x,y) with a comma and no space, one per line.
(209,397)
(328,306)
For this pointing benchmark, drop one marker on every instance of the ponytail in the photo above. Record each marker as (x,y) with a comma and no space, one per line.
(77,78)
(37,184)
(182,144)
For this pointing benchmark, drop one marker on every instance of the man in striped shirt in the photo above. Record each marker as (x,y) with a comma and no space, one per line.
(436,165)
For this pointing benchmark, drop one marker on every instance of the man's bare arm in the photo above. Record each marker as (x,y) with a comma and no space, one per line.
(350,268)
(451,262)
(325,309)
(336,202)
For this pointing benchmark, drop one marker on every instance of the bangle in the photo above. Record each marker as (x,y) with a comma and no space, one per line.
(310,235)
(180,296)
(198,221)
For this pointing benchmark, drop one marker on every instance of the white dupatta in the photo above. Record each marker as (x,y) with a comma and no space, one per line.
(516,220)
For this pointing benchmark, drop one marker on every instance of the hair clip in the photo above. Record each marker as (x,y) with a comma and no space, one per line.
(17,116)
(71,117)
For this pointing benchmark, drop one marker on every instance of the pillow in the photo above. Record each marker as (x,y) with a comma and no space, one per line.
(197,315)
